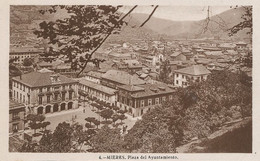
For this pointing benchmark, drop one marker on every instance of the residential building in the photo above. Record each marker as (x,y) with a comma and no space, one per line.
(103,93)
(115,78)
(138,99)
(178,56)
(94,76)
(21,53)
(241,45)
(192,73)
(45,91)
(16,116)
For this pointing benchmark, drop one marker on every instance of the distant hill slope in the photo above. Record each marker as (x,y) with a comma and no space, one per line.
(24,19)
(217,26)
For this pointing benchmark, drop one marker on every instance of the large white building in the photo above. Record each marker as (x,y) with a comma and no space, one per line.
(192,73)
(22,53)
(45,92)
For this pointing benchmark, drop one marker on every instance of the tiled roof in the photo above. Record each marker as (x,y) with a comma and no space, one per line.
(194,70)
(153,89)
(95,74)
(131,88)
(38,79)
(98,87)
(122,77)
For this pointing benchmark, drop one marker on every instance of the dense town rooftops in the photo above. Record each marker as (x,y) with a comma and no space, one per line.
(98,87)
(153,90)
(122,77)
(43,78)
(194,70)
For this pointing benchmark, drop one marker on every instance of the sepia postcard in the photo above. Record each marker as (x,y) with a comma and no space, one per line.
(129,80)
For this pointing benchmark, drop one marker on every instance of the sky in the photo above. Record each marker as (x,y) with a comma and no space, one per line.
(179,13)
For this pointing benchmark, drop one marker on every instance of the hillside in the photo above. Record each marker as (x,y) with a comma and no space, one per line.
(192,29)
(24,20)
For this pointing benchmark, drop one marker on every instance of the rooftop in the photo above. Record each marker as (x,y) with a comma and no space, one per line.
(98,87)
(194,70)
(122,77)
(42,78)
(94,74)
(152,90)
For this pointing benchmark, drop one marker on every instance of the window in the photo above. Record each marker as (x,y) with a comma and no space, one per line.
(157,101)
(40,89)
(177,75)
(20,97)
(63,97)
(149,102)
(142,103)
(14,93)
(23,98)
(63,87)
(70,95)
(55,96)
(15,115)
(40,99)
(170,97)
(163,98)
(29,99)
(177,82)
(24,88)
(21,86)
(48,89)
(48,99)
(183,76)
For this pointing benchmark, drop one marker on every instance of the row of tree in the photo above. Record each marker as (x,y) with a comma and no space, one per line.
(195,111)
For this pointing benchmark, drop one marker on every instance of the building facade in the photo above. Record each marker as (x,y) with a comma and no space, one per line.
(16,116)
(192,73)
(22,53)
(139,99)
(45,92)
(102,93)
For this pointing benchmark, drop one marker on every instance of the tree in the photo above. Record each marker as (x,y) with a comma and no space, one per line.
(107,140)
(85,28)
(96,122)
(81,33)
(90,119)
(165,73)
(247,22)
(62,138)
(27,62)
(122,117)
(107,113)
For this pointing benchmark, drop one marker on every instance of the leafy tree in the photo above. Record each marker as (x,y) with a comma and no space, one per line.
(96,122)
(81,33)
(247,22)
(27,62)
(165,73)
(62,139)
(88,125)
(122,117)
(107,113)
(90,119)
(107,140)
